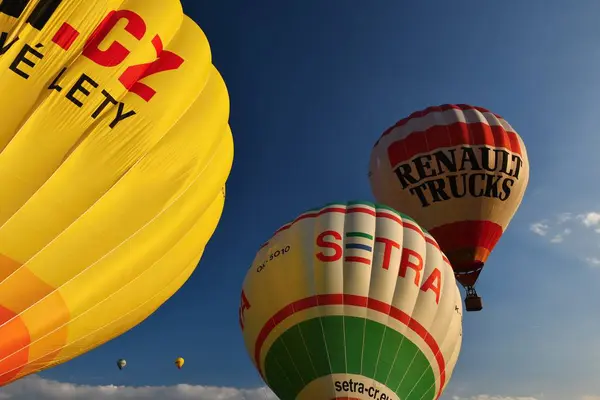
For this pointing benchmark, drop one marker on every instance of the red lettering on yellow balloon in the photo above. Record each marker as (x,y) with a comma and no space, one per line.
(389,245)
(244,305)
(434,283)
(321,242)
(116,53)
(165,61)
(413,260)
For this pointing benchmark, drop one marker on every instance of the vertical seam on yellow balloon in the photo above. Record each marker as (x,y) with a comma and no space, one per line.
(166,207)
(124,93)
(126,285)
(92,126)
(119,318)
(107,190)
(114,294)
(84,313)
(90,266)
(43,96)
(131,236)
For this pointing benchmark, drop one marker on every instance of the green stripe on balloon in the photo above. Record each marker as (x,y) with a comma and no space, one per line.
(335,345)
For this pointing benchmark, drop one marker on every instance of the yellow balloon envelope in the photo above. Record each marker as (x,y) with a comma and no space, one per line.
(179,362)
(352,301)
(114,152)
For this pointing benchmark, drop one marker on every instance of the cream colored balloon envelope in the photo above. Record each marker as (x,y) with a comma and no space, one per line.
(353,301)
(461,171)
(114,151)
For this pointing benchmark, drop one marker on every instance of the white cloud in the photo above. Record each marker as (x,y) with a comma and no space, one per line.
(545,227)
(36,388)
(564,217)
(594,262)
(582,245)
(557,239)
(539,228)
(589,219)
(560,237)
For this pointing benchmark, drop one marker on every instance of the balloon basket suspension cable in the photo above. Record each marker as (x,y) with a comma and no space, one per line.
(472,301)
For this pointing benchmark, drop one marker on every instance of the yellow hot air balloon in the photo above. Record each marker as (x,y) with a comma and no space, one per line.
(179,362)
(352,301)
(114,152)
(461,171)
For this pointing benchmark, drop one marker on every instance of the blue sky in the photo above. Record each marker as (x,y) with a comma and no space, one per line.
(312,85)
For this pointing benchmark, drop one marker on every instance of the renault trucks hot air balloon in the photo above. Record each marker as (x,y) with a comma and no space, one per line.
(461,171)
(352,301)
(114,152)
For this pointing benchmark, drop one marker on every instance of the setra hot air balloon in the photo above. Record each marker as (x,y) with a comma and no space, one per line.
(121,363)
(114,153)
(179,362)
(352,301)
(461,171)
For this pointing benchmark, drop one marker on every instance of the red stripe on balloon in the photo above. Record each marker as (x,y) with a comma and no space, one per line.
(469,236)
(355,259)
(405,223)
(357,301)
(456,134)
(442,108)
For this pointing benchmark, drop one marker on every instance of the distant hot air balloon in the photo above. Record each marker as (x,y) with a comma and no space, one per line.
(461,172)
(121,363)
(114,149)
(352,301)
(179,362)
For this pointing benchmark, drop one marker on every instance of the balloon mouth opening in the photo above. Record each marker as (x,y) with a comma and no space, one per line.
(466,268)
(467,273)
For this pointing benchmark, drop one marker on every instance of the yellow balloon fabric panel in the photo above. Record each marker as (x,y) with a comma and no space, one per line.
(114,152)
